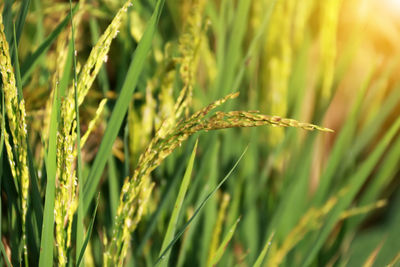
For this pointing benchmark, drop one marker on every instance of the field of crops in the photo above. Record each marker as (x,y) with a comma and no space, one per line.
(200,133)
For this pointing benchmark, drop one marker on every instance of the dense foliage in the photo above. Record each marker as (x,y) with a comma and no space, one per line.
(116,142)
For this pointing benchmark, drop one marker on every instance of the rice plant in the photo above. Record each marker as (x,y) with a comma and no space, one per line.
(199,133)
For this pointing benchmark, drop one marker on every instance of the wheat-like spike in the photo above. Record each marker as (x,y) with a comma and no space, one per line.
(98,55)
(364,209)
(15,110)
(223,120)
(66,190)
(161,147)
(93,122)
(64,206)
(189,44)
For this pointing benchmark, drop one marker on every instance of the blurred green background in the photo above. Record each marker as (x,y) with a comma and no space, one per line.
(304,198)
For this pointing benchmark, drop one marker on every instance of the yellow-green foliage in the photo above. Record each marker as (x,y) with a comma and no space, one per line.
(136,189)
(66,201)
(189,45)
(218,228)
(301,16)
(66,188)
(169,109)
(278,51)
(283,65)
(15,109)
(93,122)
(328,32)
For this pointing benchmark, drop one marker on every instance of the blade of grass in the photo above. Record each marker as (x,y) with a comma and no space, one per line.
(113,180)
(23,11)
(199,208)
(33,59)
(113,187)
(384,175)
(209,219)
(253,45)
(292,203)
(221,249)
(3,251)
(7,20)
(1,171)
(220,53)
(233,52)
(388,230)
(65,78)
(189,239)
(126,150)
(89,233)
(10,189)
(343,142)
(169,235)
(264,251)
(354,184)
(36,200)
(386,171)
(250,229)
(165,199)
(121,106)
(197,193)
(46,243)
(370,130)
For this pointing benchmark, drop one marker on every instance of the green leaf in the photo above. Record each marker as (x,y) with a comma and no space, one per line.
(165,200)
(121,107)
(65,78)
(33,59)
(7,20)
(3,251)
(199,208)
(354,184)
(46,243)
(342,142)
(23,11)
(221,249)
(264,252)
(89,233)
(169,235)
(113,186)
(210,213)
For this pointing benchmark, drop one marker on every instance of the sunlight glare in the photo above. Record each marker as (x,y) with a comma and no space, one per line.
(393,4)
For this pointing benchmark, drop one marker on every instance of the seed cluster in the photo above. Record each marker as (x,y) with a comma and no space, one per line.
(66,201)
(137,189)
(15,110)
